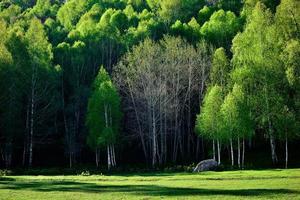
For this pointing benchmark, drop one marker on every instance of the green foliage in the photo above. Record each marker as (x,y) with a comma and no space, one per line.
(288,19)
(190,31)
(291,59)
(208,123)
(235,114)
(44,9)
(119,20)
(5,55)
(69,14)
(153,4)
(219,73)
(172,10)
(10,96)
(55,32)
(138,5)
(204,14)
(221,28)
(103,114)
(40,48)
(11,13)
(258,67)
(132,16)
(88,22)
(287,124)
(51,50)
(232,5)
(249,6)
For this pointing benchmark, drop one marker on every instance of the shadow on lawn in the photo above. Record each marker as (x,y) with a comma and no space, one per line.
(150,190)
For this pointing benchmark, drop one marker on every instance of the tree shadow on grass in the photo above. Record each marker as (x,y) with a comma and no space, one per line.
(3,178)
(148,190)
(237,178)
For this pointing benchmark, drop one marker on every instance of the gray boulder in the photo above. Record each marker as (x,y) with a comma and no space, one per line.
(206,165)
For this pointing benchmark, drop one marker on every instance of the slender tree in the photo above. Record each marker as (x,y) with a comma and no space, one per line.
(254,61)
(236,120)
(208,123)
(38,79)
(103,117)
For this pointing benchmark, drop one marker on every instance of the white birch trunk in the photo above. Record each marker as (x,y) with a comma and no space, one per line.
(231,152)
(108,158)
(219,152)
(154,152)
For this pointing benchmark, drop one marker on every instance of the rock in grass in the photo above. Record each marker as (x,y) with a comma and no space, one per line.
(206,165)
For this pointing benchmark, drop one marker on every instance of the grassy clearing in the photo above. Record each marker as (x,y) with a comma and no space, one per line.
(250,184)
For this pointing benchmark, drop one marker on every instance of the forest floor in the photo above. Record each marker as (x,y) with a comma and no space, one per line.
(248,184)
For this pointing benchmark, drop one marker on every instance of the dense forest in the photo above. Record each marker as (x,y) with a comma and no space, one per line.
(149,83)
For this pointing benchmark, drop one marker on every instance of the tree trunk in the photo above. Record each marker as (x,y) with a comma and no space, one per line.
(175,136)
(67,133)
(25,147)
(270,130)
(97,157)
(111,156)
(214,150)
(24,155)
(273,148)
(114,155)
(197,148)
(243,154)
(219,152)
(239,153)
(8,154)
(31,128)
(108,157)
(154,146)
(70,159)
(286,151)
(231,152)
(139,125)
(165,138)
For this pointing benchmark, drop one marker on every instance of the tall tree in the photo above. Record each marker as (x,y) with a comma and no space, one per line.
(208,123)
(103,117)
(38,77)
(255,58)
(236,120)
(289,127)
(161,82)
(10,98)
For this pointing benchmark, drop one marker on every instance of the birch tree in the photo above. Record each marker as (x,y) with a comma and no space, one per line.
(103,117)
(38,79)
(236,121)
(161,82)
(253,68)
(208,122)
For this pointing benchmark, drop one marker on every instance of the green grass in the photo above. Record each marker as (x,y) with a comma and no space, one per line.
(250,184)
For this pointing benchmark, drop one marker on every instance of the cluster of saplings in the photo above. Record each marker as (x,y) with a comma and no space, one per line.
(146,81)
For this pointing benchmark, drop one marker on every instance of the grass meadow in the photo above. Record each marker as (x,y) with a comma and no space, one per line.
(248,184)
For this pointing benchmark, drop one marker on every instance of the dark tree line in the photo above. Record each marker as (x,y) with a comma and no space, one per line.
(234,63)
